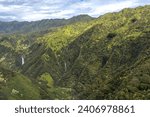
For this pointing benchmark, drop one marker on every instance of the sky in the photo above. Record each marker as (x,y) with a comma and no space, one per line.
(33,10)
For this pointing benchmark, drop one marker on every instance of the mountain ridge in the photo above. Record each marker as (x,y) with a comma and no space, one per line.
(41,25)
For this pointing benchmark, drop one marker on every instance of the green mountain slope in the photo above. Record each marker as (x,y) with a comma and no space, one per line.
(103,58)
(12,47)
(16,86)
(113,58)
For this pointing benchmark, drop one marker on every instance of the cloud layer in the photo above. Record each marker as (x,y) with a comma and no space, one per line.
(32,10)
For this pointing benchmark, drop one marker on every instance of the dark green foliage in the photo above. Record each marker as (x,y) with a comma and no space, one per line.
(110,36)
(133,20)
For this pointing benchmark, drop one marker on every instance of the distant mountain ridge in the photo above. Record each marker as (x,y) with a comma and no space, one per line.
(37,26)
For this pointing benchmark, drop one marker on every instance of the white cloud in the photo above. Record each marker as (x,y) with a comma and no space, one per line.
(112,7)
(8,17)
(34,17)
(32,10)
(63,14)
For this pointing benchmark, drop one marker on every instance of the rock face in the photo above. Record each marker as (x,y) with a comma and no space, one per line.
(104,58)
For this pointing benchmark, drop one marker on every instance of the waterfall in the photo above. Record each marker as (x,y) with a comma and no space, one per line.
(65,67)
(22,60)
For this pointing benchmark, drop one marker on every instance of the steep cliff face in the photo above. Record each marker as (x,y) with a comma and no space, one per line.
(103,58)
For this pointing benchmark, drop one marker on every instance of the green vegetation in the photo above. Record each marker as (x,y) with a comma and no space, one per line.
(16,86)
(103,58)
(47,79)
